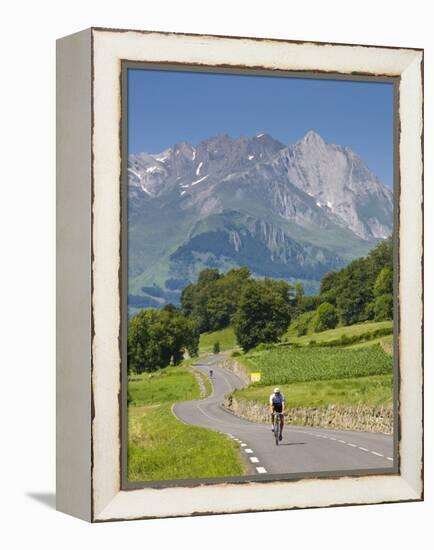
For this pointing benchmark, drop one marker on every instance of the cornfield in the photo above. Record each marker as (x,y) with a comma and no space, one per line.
(287,365)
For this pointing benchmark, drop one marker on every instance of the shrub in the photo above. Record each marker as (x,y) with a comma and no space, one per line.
(301,324)
(345,340)
(216,347)
(325,318)
(312,342)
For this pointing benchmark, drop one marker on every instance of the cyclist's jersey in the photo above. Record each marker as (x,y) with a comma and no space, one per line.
(277,401)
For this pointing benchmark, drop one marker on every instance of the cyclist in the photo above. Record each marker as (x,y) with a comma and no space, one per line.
(277,405)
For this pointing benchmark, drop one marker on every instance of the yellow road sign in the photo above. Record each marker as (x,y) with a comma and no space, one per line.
(255,376)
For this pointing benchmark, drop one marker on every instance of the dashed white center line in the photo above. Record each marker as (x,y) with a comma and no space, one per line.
(261,470)
(254,459)
(349,444)
(243,444)
(248,451)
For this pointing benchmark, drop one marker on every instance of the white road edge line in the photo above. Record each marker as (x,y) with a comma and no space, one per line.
(377,454)
(341,441)
(363,449)
(248,451)
(389,458)
(352,444)
(261,470)
(254,459)
(243,444)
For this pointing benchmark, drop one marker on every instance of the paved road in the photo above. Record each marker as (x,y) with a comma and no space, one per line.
(302,450)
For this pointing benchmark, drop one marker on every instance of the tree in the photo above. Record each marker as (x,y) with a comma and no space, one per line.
(158,337)
(299,291)
(216,347)
(325,317)
(212,301)
(263,313)
(329,281)
(383,307)
(354,288)
(382,255)
(354,293)
(384,282)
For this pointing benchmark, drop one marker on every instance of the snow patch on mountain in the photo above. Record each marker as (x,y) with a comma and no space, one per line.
(135,173)
(199,180)
(284,178)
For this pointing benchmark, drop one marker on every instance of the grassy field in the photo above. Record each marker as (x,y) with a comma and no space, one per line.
(357,374)
(386,342)
(334,334)
(163,386)
(225,337)
(283,365)
(227,340)
(161,447)
(370,390)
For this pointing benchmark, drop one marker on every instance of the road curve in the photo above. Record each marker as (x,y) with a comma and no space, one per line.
(303,450)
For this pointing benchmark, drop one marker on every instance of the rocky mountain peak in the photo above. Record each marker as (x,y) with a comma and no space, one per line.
(334,182)
(292,212)
(312,138)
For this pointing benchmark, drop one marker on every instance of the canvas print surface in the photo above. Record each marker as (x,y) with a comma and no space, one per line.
(260,276)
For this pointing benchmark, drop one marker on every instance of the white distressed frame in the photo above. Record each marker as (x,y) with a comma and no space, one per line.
(109,48)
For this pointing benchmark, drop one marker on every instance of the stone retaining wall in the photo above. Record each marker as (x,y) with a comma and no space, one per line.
(229,363)
(359,418)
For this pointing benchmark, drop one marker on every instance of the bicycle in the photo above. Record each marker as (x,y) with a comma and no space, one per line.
(277,424)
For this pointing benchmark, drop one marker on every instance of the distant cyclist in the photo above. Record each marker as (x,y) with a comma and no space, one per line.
(277,405)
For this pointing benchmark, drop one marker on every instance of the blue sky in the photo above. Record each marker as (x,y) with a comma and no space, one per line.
(165,107)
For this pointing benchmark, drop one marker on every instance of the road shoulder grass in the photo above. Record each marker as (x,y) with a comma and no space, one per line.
(370,390)
(160,446)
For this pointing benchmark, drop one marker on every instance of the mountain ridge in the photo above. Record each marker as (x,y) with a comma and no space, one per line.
(306,208)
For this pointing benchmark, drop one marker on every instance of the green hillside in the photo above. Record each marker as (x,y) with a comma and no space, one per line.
(225,337)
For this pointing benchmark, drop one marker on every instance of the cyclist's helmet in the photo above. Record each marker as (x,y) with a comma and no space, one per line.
(276,390)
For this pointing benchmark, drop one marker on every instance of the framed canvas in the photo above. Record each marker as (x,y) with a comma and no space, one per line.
(236,214)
